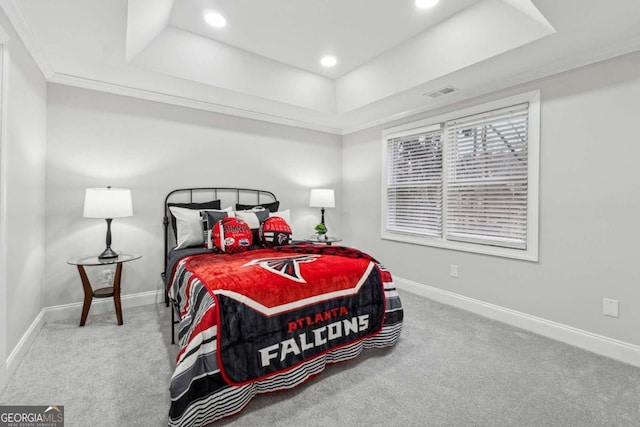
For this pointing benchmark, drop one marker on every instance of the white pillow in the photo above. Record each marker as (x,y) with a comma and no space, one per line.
(285,214)
(189,227)
(230,210)
(253,217)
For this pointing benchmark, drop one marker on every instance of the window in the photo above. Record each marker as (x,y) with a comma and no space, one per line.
(467,180)
(414,192)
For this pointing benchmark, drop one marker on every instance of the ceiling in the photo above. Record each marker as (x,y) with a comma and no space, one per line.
(299,32)
(264,63)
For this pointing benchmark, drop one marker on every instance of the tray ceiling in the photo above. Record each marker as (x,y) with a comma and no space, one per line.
(264,63)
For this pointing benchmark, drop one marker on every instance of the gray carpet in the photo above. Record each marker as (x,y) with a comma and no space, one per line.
(450,368)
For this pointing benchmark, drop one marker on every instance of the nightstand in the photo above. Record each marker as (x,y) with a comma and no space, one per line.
(107,292)
(325,239)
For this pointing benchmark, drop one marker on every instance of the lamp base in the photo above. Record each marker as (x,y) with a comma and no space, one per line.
(108,254)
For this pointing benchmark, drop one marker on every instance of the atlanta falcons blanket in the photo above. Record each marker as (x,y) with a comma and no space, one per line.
(269,319)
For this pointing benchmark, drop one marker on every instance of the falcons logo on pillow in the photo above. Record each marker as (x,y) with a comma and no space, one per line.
(275,231)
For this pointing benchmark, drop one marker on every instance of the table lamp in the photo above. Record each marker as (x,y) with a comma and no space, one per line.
(107,203)
(322,198)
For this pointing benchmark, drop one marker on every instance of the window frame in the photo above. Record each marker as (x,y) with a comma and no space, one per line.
(533,144)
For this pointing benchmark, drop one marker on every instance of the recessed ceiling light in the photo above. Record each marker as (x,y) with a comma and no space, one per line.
(215,19)
(329,61)
(424,4)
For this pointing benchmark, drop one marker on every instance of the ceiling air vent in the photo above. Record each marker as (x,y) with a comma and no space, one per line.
(444,91)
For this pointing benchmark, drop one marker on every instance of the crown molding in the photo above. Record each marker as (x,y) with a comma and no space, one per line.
(33,46)
(149,95)
(27,36)
(566,63)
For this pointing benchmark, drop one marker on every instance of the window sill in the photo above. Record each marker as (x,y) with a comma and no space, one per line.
(530,254)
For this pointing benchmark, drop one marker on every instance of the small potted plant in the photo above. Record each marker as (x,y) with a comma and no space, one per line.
(321,231)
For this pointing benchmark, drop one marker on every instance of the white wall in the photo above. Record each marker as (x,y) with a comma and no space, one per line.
(96,139)
(589,208)
(23,181)
(588,198)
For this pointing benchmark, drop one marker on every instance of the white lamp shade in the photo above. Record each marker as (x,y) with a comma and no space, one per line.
(107,203)
(322,198)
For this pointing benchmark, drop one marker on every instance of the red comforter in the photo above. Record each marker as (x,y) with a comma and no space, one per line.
(250,318)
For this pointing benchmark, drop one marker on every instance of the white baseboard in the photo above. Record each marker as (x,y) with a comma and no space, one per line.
(24,344)
(609,347)
(101,306)
(71,311)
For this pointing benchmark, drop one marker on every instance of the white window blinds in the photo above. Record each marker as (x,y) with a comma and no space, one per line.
(414,182)
(486,169)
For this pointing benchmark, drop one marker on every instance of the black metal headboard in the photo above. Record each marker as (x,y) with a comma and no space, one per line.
(227,196)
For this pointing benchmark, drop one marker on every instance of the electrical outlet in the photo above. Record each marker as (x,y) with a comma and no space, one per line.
(106,277)
(610,307)
(453,270)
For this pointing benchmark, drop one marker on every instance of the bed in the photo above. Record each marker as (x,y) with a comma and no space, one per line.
(265,317)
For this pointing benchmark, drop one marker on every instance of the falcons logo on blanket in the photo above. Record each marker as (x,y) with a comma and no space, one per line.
(288,267)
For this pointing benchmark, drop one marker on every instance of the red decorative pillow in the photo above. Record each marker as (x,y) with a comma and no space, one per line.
(231,235)
(275,231)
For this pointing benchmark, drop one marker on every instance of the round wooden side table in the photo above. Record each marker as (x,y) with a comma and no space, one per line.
(107,292)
